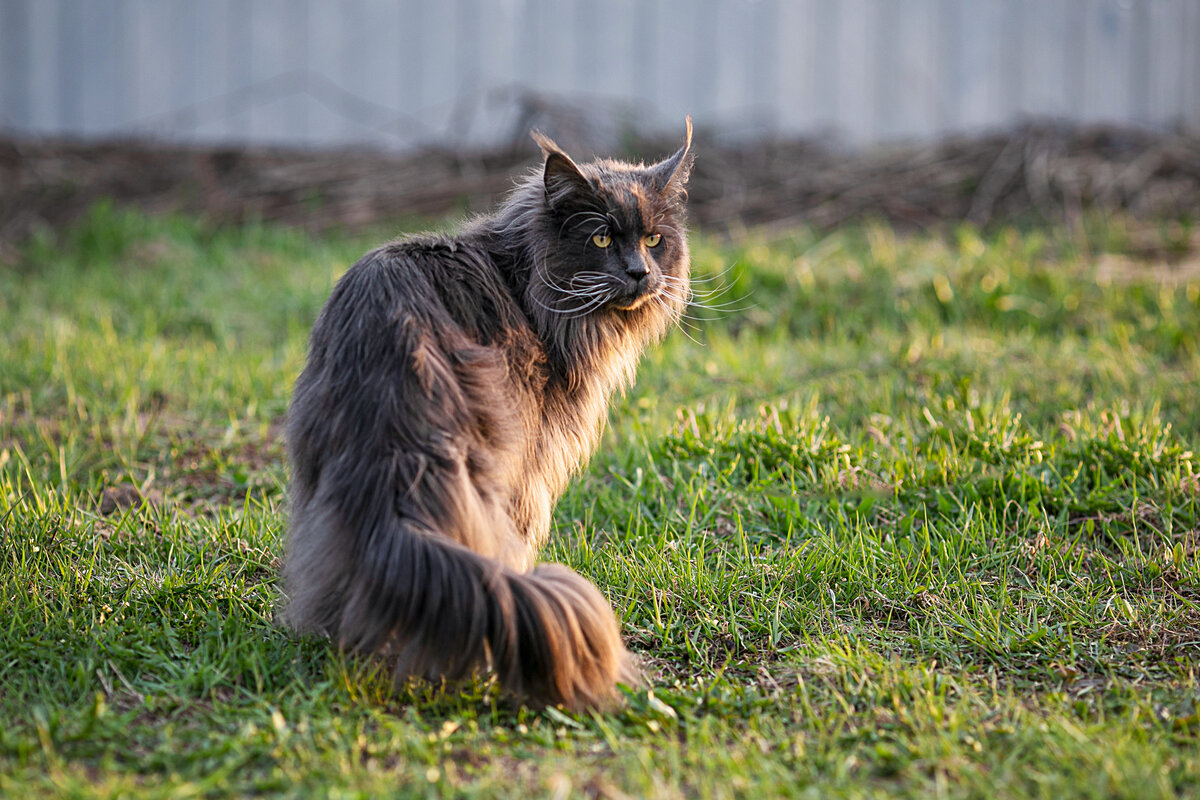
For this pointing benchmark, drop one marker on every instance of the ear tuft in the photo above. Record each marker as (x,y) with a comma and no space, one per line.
(546,144)
(671,176)
(561,176)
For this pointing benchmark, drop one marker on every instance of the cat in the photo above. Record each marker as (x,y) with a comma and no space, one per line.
(453,386)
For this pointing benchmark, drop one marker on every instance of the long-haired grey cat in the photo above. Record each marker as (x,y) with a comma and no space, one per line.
(453,386)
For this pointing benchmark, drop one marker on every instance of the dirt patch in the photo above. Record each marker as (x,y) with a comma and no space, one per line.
(1038,172)
(125,496)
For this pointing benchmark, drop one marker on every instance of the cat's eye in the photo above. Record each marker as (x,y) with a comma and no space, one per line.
(602,240)
(652,239)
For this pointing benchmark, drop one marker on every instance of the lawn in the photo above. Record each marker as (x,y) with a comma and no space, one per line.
(912,515)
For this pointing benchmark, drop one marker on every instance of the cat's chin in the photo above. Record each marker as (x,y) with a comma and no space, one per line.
(637,296)
(633,303)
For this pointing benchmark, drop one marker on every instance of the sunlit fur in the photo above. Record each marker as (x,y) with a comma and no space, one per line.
(453,386)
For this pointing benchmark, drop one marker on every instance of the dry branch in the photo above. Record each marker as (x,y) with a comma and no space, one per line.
(1039,172)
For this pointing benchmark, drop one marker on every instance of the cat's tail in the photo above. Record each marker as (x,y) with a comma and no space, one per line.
(444,611)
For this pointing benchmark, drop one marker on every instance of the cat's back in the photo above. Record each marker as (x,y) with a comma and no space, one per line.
(420,356)
(438,281)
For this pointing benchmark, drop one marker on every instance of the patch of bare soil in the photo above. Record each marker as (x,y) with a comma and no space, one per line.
(1039,172)
(125,496)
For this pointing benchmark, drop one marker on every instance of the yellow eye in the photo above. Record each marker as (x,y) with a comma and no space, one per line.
(602,240)
(652,239)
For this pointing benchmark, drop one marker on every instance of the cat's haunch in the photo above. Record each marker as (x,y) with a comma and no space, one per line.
(453,387)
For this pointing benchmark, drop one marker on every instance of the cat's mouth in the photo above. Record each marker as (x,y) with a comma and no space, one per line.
(637,297)
(633,303)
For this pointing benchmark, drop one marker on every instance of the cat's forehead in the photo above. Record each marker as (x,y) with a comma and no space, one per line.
(631,202)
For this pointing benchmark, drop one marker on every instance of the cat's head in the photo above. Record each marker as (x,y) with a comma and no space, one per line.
(618,233)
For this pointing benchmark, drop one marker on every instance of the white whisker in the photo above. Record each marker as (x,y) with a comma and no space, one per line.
(728,308)
(658,298)
(588,214)
(717,276)
(591,304)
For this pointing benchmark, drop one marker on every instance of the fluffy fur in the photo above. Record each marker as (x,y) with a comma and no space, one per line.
(453,386)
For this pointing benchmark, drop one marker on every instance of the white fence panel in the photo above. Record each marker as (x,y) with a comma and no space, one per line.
(397,73)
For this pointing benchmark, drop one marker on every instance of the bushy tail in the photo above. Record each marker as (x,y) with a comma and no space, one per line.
(445,611)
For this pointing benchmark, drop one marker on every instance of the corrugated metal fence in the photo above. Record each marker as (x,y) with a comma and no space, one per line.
(403,72)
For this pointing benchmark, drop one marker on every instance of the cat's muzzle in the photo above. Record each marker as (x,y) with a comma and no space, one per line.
(637,293)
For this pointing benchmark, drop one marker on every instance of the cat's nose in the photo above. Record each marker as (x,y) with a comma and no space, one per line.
(636,269)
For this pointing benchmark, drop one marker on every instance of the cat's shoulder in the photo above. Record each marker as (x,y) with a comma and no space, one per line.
(425,252)
(447,276)
(424,244)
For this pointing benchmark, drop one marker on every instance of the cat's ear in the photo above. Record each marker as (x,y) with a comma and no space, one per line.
(561,175)
(670,176)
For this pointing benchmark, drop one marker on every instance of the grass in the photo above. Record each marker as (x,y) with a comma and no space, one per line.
(921,521)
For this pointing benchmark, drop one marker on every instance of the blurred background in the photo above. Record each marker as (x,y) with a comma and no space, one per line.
(347,111)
